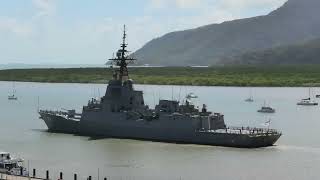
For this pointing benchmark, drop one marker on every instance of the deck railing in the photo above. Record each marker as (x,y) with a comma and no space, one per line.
(243,130)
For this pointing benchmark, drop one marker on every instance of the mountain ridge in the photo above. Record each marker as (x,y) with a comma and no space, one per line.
(294,22)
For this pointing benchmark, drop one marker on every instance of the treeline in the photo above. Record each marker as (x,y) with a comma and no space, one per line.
(273,76)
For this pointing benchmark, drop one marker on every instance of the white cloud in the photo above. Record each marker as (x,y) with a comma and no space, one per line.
(248,4)
(210,11)
(188,3)
(183,4)
(157,4)
(12,25)
(228,4)
(44,7)
(94,39)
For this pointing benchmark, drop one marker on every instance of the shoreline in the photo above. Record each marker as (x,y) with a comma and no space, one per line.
(44,82)
(228,76)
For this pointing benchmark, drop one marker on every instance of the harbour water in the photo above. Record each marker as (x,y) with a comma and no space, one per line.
(296,155)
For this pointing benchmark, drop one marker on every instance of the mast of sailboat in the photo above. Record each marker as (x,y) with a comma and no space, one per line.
(38,108)
(311,95)
(13,88)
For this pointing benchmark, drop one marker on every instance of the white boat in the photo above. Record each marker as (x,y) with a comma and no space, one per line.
(13,96)
(191,96)
(12,166)
(307,101)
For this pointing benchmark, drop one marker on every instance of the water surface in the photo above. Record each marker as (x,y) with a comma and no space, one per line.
(296,156)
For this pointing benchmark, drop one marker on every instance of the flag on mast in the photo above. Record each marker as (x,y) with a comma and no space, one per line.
(267,124)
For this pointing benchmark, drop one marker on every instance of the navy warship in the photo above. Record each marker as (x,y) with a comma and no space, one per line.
(122,113)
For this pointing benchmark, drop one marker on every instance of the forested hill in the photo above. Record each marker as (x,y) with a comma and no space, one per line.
(295,22)
(302,53)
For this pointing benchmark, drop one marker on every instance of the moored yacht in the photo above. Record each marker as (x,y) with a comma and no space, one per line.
(12,166)
(12,96)
(266,109)
(250,99)
(307,101)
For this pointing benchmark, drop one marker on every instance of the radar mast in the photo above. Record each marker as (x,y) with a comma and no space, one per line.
(122,59)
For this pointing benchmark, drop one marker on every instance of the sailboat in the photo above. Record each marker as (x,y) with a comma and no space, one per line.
(266,109)
(250,99)
(13,96)
(307,101)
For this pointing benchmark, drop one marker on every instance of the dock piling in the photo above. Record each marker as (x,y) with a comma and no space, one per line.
(22,176)
(47,174)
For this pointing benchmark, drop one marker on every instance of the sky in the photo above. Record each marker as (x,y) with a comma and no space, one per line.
(89,31)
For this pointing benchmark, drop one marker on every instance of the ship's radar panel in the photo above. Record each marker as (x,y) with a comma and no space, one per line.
(122,60)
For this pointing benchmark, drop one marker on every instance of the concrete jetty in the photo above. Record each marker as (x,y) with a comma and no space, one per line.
(11,177)
(33,177)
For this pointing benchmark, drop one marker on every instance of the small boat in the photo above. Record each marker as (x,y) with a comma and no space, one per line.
(12,166)
(318,96)
(266,109)
(307,101)
(191,96)
(250,99)
(13,96)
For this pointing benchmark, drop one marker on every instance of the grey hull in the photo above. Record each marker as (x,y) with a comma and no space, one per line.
(60,124)
(148,132)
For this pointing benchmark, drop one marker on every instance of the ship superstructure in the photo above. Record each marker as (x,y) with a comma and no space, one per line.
(122,113)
